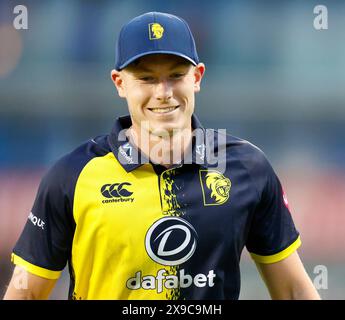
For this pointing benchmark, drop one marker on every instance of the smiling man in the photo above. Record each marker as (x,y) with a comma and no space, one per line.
(160,89)
(160,208)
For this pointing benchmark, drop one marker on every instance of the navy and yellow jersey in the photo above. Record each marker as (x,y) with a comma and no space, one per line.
(131,229)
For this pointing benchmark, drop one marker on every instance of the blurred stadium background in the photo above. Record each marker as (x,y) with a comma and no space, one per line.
(271,78)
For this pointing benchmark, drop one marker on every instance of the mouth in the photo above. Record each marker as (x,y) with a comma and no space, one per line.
(163,110)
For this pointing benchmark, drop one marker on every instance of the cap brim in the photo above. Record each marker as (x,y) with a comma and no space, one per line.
(129,61)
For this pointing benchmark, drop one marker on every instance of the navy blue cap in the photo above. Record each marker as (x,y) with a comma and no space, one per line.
(152,33)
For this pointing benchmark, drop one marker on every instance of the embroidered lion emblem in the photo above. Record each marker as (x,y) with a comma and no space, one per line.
(219,185)
(156,30)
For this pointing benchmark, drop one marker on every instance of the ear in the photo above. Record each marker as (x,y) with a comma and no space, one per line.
(117,78)
(199,71)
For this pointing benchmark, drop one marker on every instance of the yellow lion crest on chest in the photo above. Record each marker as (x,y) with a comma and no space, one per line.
(219,185)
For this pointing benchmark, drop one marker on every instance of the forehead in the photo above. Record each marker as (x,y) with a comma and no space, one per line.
(155,62)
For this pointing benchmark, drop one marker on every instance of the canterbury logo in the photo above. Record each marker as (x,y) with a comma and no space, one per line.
(155,31)
(215,187)
(116,190)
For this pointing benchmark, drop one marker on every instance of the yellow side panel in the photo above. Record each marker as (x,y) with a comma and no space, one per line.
(109,242)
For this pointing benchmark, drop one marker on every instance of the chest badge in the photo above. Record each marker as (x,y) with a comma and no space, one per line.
(215,187)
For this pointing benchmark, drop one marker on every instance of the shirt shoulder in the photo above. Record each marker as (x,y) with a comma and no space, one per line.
(73,162)
(240,149)
(252,155)
(61,178)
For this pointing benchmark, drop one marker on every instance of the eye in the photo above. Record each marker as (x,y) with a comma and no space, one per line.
(146,79)
(177,75)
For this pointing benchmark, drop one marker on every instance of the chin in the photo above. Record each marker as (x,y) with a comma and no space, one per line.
(163,131)
(167,128)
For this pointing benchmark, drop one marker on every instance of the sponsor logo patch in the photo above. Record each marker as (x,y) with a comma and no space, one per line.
(170,241)
(36,221)
(117,192)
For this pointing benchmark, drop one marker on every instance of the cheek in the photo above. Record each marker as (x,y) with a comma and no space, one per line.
(137,97)
(185,91)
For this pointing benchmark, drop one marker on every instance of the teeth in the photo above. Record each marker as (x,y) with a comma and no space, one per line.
(163,110)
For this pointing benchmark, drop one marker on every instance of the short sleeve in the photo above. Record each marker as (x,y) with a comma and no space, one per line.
(272,236)
(44,246)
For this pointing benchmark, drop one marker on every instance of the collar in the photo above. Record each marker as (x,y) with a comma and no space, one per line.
(131,158)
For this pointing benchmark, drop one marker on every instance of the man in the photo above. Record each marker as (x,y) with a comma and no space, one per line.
(160,208)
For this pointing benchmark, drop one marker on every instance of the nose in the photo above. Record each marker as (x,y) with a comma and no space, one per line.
(163,90)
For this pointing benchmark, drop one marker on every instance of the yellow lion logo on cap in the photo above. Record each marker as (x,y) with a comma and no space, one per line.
(156,31)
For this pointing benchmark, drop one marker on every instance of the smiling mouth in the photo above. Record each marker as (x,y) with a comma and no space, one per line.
(163,110)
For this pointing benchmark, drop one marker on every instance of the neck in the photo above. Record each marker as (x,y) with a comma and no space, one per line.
(164,150)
